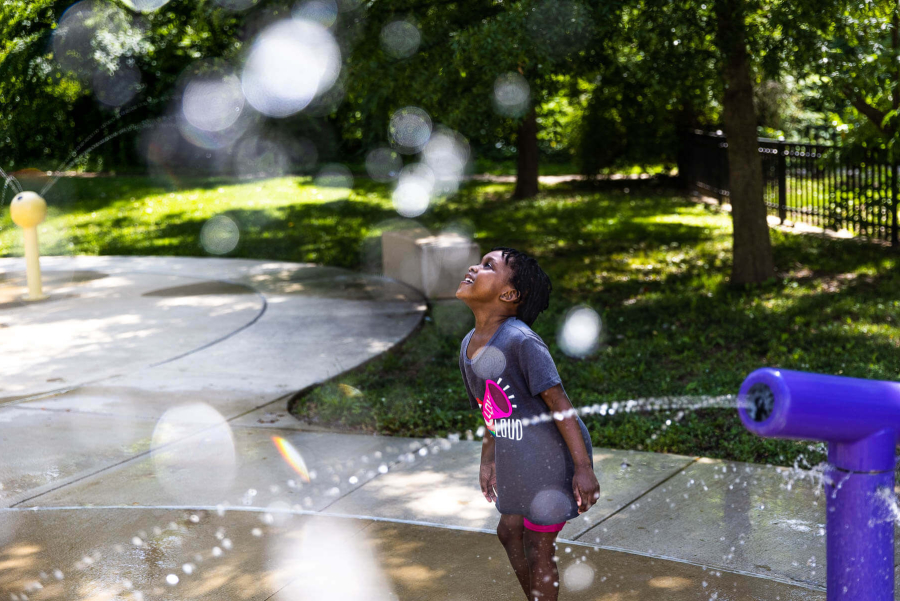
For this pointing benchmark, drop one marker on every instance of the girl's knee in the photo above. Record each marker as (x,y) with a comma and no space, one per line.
(509,531)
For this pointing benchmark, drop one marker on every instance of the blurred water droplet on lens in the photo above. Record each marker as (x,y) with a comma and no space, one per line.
(410,129)
(260,157)
(334,175)
(447,154)
(193,454)
(210,113)
(219,235)
(71,40)
(550,506)
(279,513)
(320,555)
(324,12)
(188,568)
(580,332)
(558,27)
(256,532)
(172,579)
(412,195)
(145,6)
(213,103)
(93,35)
(578,576)
(119,87)
(289,64)
(383,164)
(400,39)
(489,362)
(512,95)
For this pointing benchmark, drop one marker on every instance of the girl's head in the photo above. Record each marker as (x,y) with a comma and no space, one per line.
(510,280)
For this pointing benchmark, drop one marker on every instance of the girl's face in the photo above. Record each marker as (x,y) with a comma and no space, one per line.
(486,281)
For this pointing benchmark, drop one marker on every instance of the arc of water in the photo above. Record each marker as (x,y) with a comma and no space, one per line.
(7,180)
(137,126)
(109,122)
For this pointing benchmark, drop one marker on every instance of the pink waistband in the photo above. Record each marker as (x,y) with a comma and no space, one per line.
(542,528)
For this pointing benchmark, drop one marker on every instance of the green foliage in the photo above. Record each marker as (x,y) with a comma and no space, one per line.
(48,103)
(653,265)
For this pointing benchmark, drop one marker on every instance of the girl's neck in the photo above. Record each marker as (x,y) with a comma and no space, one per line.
(487,323)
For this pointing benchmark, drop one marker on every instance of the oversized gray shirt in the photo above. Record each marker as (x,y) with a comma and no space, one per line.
(533,463)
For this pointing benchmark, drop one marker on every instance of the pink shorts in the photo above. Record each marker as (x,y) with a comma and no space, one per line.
(541,528)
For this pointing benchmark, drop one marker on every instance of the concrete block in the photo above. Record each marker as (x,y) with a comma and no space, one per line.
(432,264)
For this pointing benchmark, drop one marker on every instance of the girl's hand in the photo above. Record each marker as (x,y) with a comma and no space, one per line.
(488,481)
(585,487)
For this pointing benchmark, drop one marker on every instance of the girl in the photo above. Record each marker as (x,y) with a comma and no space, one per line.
(539,471)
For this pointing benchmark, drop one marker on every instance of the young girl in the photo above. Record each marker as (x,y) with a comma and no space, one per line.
(539,471)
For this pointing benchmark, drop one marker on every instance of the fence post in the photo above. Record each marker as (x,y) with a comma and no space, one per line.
(893,200)
(782,182)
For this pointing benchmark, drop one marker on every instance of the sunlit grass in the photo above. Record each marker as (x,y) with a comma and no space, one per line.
(654,265)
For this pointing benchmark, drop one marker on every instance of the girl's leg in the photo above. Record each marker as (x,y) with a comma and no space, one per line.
(511,531)
(540,550)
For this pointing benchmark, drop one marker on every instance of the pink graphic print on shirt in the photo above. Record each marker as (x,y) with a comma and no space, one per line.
(496,404)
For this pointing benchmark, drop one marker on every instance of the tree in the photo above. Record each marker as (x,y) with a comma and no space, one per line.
(746,41)
(857,65)
(752,260)
(482,68)
(49,75)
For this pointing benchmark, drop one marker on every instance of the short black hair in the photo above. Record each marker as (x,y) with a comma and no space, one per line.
(530,280)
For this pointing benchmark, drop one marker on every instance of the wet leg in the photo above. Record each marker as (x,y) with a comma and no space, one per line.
(541,550)
(511,531)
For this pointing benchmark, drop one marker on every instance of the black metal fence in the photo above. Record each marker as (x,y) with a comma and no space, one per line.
(818,184)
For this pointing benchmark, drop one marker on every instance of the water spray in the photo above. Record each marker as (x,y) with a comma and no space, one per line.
(860,421)
(28,210)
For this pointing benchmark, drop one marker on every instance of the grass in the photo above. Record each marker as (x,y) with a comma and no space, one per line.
(653,265)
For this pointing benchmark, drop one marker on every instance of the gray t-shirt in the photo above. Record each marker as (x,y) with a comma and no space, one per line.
(533,463)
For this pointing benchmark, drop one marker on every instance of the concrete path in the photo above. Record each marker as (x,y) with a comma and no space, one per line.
(148,454)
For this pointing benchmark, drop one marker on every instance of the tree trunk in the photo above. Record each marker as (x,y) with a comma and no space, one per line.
(527,158)
(751,249)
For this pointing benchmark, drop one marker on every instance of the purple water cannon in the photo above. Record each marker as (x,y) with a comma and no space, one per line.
(860,421)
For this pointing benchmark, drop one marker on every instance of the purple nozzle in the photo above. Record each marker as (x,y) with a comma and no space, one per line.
(780,403)
(859,419)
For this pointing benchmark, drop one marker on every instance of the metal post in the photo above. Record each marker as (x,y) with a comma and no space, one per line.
(782,182)
(893,201)
(859,529)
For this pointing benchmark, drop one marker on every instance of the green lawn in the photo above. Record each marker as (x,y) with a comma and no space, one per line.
(651,263)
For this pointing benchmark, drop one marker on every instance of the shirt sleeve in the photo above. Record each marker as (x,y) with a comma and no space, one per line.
(462,370)
(537,366)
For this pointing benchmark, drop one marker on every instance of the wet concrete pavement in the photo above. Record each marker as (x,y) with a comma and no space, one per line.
(148,454)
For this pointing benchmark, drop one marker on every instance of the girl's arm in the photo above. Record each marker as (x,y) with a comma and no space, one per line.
(557,401)
(487,447)
(584,483)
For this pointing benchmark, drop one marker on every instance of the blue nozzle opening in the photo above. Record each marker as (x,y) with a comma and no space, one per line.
(760,402)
